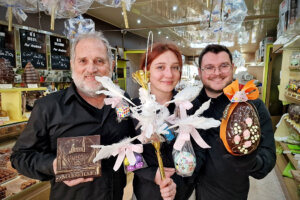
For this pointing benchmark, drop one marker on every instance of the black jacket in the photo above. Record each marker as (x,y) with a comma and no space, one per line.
(143,183)
(228,179)
(66,114)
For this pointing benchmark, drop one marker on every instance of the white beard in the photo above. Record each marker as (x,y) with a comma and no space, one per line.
(88,91)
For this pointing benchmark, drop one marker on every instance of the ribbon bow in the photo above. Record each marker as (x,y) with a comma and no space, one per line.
(248,92)
(183,107)
(128,152)
(114,101)
(185,131)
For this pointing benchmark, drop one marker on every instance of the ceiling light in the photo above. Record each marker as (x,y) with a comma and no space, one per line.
(138,21)
(167,37)
(174,8)
(159,32)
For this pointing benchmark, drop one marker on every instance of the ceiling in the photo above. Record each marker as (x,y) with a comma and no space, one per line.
(187,22)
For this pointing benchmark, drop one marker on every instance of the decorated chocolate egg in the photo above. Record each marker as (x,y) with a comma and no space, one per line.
(240,127)
(185,163)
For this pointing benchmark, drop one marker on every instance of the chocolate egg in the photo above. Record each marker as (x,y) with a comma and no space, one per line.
(185,163)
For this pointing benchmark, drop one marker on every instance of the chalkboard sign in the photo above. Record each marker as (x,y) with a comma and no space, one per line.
(9,55)
(33,48)
(60,62)
(38,60)
(59,53)
(7,44)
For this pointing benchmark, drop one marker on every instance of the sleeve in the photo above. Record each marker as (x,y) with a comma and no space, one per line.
(266,154)
(32,154)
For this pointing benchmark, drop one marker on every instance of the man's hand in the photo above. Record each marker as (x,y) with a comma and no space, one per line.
(72,182)
(167,186)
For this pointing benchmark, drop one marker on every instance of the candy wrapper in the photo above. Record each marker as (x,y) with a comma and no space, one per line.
(115,97)
(65,8)
(139,163)
(122,110)
(78,25)
(127,153)
(240,128)
(234,13)
(185,160)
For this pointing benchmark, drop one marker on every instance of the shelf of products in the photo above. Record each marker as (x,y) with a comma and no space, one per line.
(289,127)
(12,185)
(11,102)
(292,124)
(288,184)
(289,155)
(11,130)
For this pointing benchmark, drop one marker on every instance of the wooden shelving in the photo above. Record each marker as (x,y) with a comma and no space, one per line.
(289,155)
(288,184)
(292,97)
(287,126)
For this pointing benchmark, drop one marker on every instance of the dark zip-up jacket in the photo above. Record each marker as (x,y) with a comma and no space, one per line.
(67,114)
(224,176)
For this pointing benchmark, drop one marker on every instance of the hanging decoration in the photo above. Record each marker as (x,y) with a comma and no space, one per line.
(77,25)
(64,8)
(124,4)
(17,8)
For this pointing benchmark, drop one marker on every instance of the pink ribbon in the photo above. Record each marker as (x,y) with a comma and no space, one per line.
(114,101)
(183,107)
(185,131)
(128,152)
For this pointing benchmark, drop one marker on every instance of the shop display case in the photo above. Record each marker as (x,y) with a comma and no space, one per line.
(287,134)
(13,185)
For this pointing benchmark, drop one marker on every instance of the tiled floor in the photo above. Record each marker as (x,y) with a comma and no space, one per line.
(265,189)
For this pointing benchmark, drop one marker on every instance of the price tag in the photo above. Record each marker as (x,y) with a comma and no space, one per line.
(5,86)
(32,85)
(4,119)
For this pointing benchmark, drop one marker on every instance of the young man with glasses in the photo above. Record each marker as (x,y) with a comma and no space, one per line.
(225,176)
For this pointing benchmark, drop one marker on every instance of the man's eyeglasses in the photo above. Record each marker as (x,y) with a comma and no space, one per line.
(210,69)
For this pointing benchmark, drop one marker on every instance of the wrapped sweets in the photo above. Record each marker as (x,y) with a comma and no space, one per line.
(240,128)
(139,163)
(30,74)
(7,74)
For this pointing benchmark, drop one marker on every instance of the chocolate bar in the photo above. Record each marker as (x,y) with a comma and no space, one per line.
(75,158)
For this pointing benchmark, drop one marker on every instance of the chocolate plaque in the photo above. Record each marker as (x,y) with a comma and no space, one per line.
(75,158)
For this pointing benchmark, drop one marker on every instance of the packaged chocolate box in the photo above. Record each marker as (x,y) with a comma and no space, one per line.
(240,128)
(75,158)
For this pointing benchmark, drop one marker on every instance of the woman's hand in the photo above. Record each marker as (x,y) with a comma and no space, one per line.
(167,186)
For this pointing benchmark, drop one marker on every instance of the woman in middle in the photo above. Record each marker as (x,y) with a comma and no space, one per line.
(164,65)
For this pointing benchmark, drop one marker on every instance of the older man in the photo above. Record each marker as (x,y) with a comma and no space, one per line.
(76,111)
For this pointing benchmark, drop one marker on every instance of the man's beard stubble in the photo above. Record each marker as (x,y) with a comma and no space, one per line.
(82,88)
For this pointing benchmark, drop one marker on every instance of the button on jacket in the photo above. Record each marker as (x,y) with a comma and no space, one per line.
(67,114)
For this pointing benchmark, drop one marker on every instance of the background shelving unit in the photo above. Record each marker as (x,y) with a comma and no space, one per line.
(289,185)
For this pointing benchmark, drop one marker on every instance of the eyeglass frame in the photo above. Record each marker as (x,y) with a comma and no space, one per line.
(215,68)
